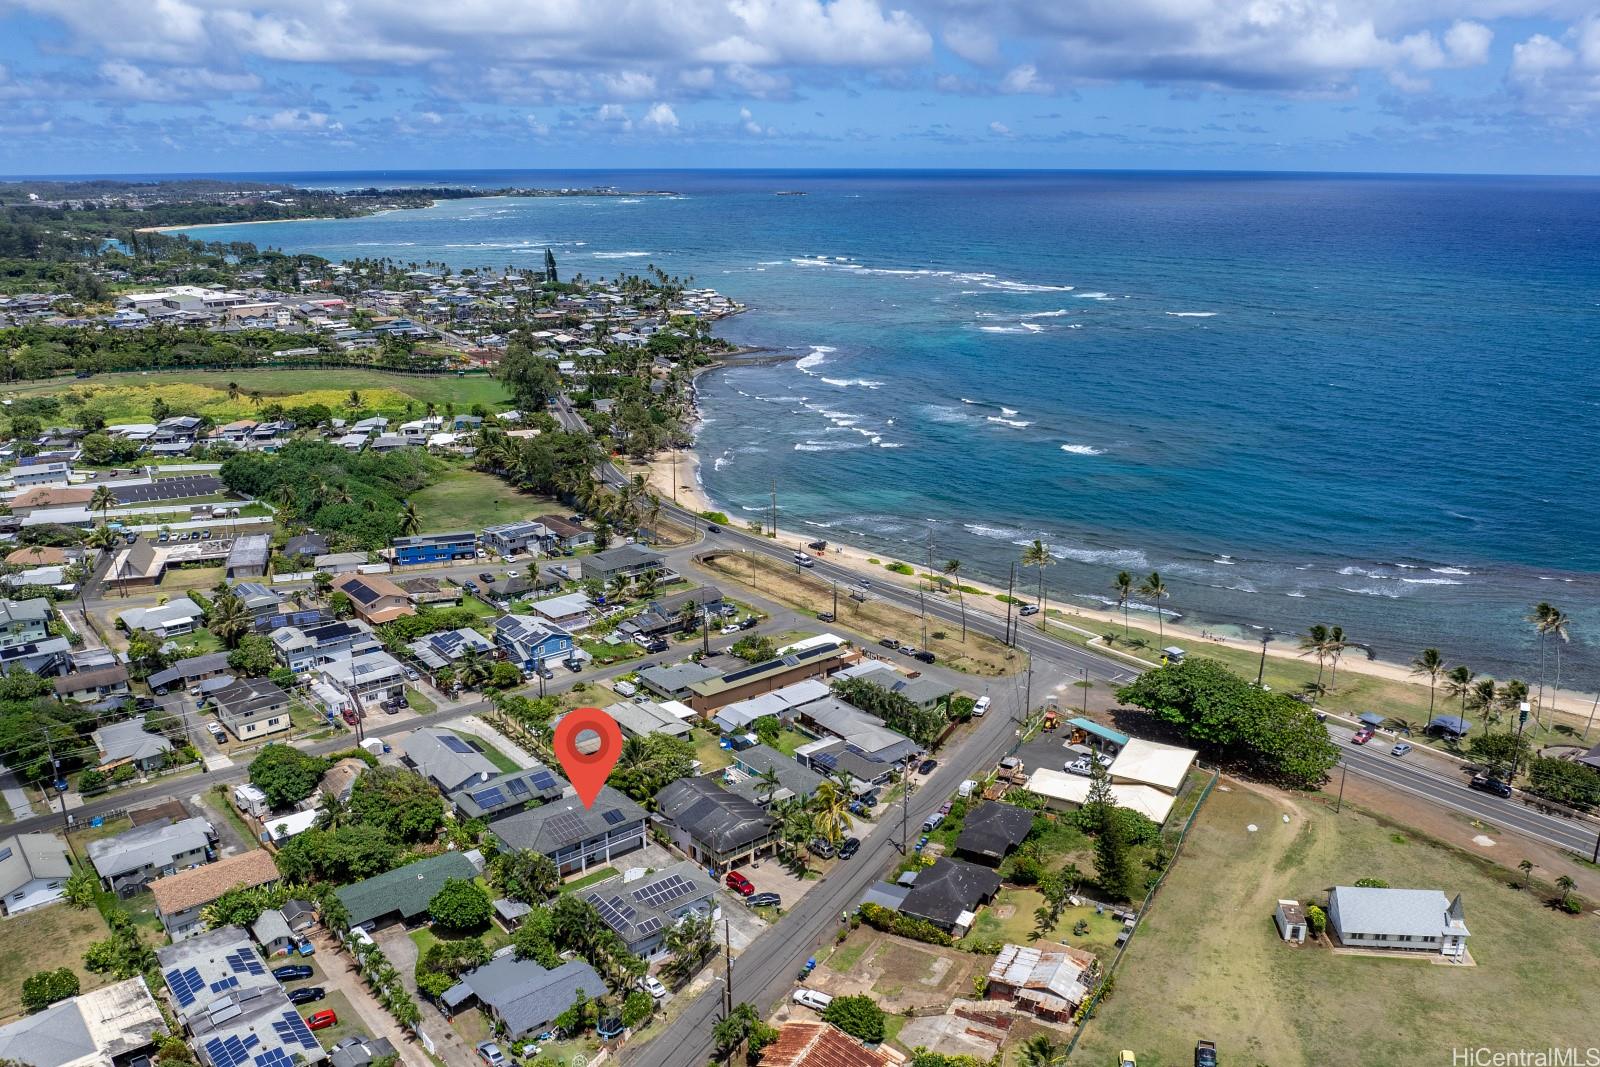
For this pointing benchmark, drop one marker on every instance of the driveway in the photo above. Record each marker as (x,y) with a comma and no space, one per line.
(338,971)
(402,952)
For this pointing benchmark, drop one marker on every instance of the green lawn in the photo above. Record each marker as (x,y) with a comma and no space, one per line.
(419,703)
(471,500)
(599,874)
(42,940)
(501,761)
(1207,962)
(1009,918)
(712,756)
(790,740)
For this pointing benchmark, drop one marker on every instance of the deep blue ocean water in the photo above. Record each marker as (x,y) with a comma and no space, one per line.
(1364,400)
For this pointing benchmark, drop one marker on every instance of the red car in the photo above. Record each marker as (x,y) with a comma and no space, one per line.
(1362,736)
(739,884)
(321,1020)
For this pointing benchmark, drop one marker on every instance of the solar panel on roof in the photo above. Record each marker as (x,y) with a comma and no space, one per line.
(185,983)
(544,780)
(613,911)
(245,962)
(225,983)
(297,1030)
(569,826)
(489,798)
(614,816)
(455,744)
(659,893)
(273,1057)
(518,787)
(649,926)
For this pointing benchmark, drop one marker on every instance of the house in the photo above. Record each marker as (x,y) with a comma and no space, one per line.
(750,766)
(93,686)
(402,895)
(24,621)
(572,612)
(280,828)
(1065,792)
(574,836)
(306,544)
(172,619)
(673,614)
(507,794)
(644,717)
(447,760)
(129,742)
(819,1044)
(1148,763)
(512,538)
(257,599)
(302,649)
(375,598)
(567,534)
(1290,918)
(236,1013)
(252,707)
(190,670)
(141,563)
(181,898)
(737,717)
(1044,980)
(924,691)
(48,498)
(674,682)
(358,1050)
(949,894)
(435,548)
(718,828)
(364,676)
(248,556)
(426,590)
(625,562)
(521,995)
(832,717)
(445,647)
(991,830)
(503,591)
(272,933)
(33,870)
(641,910)
(47,658)
(131,860)
(753,679)
(531,643)
(1402,920)
(300,914)
(339,781)
(112,1026)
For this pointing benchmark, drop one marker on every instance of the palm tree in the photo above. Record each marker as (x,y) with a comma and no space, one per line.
(229,619)
(101,538)
(102,500)
(410,522)
(1155,590)
(1458,683)
(1566,884)
(831,806)
(1512,695)
(1482,698)
(1038,1051)
(1315,643)
(1123,584)
(1557,624)
(1540,618)
(255,398)
(1038,555)
(769,784)
(472,669)
(1336,646)
(952,570)
(233,390)
(1430,663)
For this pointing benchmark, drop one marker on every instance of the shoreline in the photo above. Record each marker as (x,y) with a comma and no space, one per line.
(251,222)
(692,494)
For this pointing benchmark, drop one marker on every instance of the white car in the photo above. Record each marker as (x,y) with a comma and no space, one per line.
(1079,766)
(726,630)
(811,998)
(653,987)
(980,707)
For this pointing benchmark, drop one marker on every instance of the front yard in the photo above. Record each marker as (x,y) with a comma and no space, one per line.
(1207,962)
(43,940)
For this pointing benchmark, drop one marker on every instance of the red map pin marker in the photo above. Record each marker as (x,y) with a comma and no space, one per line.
(587,771)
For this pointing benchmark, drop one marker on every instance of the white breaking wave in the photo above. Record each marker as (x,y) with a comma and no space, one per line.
(1005,533)
(1057,313)
(1121,557)
(826,446)
(1025,287)
(1431,581)
(1449,570)
(1004,329)
(1094,296)
(1392,594)
(1008,411)
(1083,450)
(845,383)
(1019,424)
(819,354)
(1192,314)
(618,255)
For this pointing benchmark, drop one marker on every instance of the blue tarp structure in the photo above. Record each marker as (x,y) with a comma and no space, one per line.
(1372,719)
(1450,724)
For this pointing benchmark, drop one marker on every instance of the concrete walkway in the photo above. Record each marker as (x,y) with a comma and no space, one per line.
(16,796)
(339,971)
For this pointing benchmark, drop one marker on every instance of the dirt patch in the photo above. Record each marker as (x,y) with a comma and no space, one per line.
(901,975)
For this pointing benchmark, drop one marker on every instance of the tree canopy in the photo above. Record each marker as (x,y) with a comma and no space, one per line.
(285,774)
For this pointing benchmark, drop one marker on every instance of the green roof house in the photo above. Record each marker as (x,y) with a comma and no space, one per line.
(402,894)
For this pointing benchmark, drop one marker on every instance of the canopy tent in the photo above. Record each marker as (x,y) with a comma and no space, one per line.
(1450,724)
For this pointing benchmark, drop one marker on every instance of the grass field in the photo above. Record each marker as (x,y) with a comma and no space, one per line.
(43,940)
(1207,961)
(127,397)
(502,762)
(470,500)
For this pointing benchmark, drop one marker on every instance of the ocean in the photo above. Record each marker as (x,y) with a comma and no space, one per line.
(1362,400)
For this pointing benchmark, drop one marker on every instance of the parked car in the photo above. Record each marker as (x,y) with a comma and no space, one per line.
(888,642)
(824,616)
(306,948)
(764,900)
(924,655)
(1361,736)
(321,1020)
(306,995)
(1400,750)
(931,823)
(350,716)
(292,973)
(486,577)
(490,1053)
(1028,609)
(980,707)
(819,847)
(907,649)
(927,766)
(811,998)
(1205,1054)
(574,665)
(411,673)
(851,846)
(739,884)
(730,629)
(653,986)
(1081,765)
(471,587)
(1486,784)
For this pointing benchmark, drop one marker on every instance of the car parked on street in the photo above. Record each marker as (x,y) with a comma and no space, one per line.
(1028,609)
(1400,750)
(851,846)
(923,655)
(819,847)
(927,766)
(888,642)
(739,884)
(931,823)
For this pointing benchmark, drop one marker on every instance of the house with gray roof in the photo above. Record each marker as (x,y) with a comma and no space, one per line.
(833,717)
(747,775)
(641,910)
(93,685)
(252,707)
(34,868)
(402,895)
(949,894)
(129,742)
(446,759)
(172,619)
(272,933)
(623,561)
(674,682)
(718,828)
(23,621)
(574,836)
(644,717)
(1401,920)
(507,794)
(185,672)
(358,1050)
(101,1028)
(445,647)
(523,995)
(131,860)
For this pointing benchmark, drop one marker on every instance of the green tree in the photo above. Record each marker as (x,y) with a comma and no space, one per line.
(1316,920)
(1430,664)
(1155,590)
(1037,555)
(1458,683)
(858,1016)
(1113,860)
(1038,1051)
(255,655)
(952,571)
(123,954)
(526,874)
(285,774)
(741,1027)
(400,801)
(228,619)
(460,906)
(754,648)
(1122,585)
(44,988)
(690,943)
(103,500)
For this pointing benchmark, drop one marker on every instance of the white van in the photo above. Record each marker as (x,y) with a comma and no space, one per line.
(965,789)
(626,689)
(813,999)
(980,707)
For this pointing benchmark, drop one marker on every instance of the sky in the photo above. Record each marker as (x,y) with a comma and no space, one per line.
(198,86)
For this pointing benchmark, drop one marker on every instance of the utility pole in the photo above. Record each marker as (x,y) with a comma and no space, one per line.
(1011,587)
(55,772)
(705,630)
(835,598)
(905,815)
(1027,699)
(1086,692)
(1261,671)
(1344,772)
(774,508)
(727,984)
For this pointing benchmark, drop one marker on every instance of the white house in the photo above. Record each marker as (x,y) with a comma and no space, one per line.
(171,619)
(33,870)
(1404,920)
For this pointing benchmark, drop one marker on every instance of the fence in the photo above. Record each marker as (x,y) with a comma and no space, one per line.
(1088,1008)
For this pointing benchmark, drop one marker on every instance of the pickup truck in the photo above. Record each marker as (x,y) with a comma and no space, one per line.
(1205,1054)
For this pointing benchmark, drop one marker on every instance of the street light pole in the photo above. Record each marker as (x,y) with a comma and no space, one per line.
(1344,772)
(1261,671)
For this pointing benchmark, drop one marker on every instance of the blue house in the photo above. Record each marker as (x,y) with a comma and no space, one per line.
(529,642)
(435,548)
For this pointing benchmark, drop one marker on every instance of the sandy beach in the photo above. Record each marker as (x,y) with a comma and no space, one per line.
(216,225)
(691,494)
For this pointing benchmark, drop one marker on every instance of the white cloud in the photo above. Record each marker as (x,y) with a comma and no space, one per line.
(999,129)
(128,81)
(748,123)
(1468,43)
(1024,79)
(660,118)
(292,120)
(614,115)
(628,84)
(972,42)
(1559,78)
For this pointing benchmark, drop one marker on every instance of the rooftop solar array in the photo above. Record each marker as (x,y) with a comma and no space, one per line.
(660,893)
(544,780)
(649,926)
(455,744)
(518,787)
(169,489)
(185,984)
(291,1028)
(230,1051)
(569,827)
(489,798)
(617,915)
(245,962)
(614,816)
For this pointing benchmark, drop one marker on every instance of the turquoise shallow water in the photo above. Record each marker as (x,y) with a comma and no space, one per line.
(1362,400)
